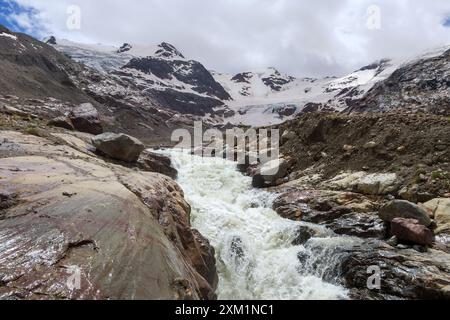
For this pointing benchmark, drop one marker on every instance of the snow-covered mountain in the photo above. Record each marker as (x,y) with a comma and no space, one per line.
(258,97)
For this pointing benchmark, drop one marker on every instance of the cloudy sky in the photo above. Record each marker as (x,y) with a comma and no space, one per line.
(299,37)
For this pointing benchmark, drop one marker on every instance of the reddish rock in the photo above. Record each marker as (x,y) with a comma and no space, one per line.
(412,231)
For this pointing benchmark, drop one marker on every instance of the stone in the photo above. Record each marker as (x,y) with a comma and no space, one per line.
(119,146)
(412,231)
(370,145)
(270,173)
(404,209)
(154,162)
(393,241)
(440,210)
(85,118)
(62,122)
(348,148)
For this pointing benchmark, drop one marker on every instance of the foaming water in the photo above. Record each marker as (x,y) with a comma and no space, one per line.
(254,251)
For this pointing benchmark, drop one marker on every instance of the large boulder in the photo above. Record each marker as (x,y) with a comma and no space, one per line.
(410,230)
(271,173)
(404,209)
(119,146)
(440,209)
(154,162)
(85,118)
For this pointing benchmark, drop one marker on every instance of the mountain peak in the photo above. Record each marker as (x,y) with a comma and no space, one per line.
(166,50)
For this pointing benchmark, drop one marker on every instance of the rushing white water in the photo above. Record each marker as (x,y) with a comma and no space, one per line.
(254,251)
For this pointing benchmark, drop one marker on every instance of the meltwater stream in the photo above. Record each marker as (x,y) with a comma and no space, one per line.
(254,251)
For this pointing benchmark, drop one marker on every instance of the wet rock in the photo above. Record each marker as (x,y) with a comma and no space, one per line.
(62,122)
(411,230)
(128,233)
(119,146)
(153,162)
(85,118)
(362,225)
(405,274)
(303,234)
(404,209)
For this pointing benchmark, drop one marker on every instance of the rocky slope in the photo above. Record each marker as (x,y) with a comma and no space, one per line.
(39,80)
(382,179)
(421,85)
(126,231)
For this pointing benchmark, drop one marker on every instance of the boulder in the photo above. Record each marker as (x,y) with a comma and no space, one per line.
(440,209)
(411,230)
(271,173)
(119,146)
(62,122)
(85,118)
(406,210)
(154,162)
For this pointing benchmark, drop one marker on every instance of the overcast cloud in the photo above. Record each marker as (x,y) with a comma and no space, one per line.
(299,37)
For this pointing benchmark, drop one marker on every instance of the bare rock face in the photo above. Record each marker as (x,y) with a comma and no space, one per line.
(411,230)
(404,209)
(68,215)
(85,118)
(119,146)
(150,161)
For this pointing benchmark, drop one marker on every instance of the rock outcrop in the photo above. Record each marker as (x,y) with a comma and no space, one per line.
(76,227)
(154,162)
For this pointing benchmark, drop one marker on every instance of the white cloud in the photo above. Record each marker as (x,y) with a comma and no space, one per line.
(299,37)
